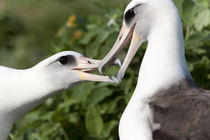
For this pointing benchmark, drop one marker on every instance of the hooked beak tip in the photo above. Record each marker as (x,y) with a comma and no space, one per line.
(100,69)
(118,62)
(102,65)
(120,75)
(114,79)
(87,65)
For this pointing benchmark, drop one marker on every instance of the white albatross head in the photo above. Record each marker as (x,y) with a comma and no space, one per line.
(23,90)
(141,19)
(164,64)
(68,68)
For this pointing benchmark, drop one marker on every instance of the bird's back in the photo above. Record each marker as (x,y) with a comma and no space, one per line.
(183,112)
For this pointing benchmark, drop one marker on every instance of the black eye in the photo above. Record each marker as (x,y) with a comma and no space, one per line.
(68,59)
(63,60)
(129,15)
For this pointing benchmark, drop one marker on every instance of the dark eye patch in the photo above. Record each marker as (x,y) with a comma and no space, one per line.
(69,59)
(130,14)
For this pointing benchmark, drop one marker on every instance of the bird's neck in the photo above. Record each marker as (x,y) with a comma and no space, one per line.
(163,66)
(5,126)
(164,62)
(21,91)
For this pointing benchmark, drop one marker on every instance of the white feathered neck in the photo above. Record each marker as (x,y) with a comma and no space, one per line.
(164,60)
(163,65)
(21,91)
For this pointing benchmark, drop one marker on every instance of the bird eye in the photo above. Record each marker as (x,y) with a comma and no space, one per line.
(68,59)
(63,60)
(129,15)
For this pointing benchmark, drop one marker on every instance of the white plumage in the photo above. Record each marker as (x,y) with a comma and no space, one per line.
(23,90)
(159,23)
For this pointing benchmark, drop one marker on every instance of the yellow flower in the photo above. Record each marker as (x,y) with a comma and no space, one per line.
(77,34)
(71,21)
(59,33)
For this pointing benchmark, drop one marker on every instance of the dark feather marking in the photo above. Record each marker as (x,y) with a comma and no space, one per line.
(183,112)
(130,14)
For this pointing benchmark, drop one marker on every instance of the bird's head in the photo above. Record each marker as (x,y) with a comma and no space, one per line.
(23,90)
(66,69)
(141,19)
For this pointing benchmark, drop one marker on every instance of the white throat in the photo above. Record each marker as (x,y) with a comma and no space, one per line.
(20,92)
(164,61)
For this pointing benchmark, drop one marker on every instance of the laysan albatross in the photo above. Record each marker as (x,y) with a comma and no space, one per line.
(23,90)
(166,99)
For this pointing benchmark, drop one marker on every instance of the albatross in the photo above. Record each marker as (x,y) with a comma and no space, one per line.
(23,90)
(166,104)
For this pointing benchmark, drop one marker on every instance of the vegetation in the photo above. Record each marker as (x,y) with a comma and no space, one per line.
(91,111)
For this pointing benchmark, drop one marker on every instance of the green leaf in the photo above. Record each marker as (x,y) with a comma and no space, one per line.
(74,117)
(188,12)
(202,19)
(203,3)
(197,39)
(108,127)
(80,92)
(111,106)
(96,96)
(104,49)
(88,37)
(35,136)
(100,39)
(93,121)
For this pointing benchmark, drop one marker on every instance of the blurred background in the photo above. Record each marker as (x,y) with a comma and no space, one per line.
(31,30)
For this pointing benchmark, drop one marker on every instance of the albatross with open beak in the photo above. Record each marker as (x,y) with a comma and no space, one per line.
(165,93)
(23,90)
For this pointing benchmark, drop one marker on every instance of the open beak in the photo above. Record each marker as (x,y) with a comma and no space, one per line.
(126,35)
(86,65)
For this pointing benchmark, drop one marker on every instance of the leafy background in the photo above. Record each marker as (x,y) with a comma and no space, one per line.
(31,30)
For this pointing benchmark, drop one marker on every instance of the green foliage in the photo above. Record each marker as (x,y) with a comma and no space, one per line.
(91,111)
